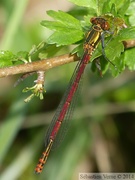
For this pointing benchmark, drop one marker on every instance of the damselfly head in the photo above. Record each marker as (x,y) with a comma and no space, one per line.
(100,22)
(116,23)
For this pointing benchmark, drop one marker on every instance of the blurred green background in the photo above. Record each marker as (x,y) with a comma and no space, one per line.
(101,136)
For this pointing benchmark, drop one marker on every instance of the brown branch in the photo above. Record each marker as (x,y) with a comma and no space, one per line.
(129,44)
(47,63)
(38,65)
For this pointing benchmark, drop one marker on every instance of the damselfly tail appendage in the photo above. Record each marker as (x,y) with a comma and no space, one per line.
(43,158)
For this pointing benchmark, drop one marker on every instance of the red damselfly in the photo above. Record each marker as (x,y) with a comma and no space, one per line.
(100,26)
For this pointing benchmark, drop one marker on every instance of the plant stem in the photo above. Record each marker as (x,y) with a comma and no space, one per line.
(45,64)
(41,65)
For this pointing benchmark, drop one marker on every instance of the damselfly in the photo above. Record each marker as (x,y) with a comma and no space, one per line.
(99,27)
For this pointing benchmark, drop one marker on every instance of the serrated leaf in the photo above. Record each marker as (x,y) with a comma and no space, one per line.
(80,12)
(105,6)
(114,49)
(120,66)
(85,3)
(112,52)
(63,21)
(127,34)
(129,58)
(79,50)
(124,6)
(65,38)
(54,25)
(68,29)
(131,13)
(22,54)
(104,64)
(131,8)
(101,5)
(49,51)
(113,6)
(6,58)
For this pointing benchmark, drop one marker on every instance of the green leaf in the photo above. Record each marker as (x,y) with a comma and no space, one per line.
(120,65)
(114,49)
(22,55)
(127,34)
(80,12)
(50,50)
(123,7)
(131,13)
(79,50)
(113,52)
(129,58)
(113,6)
(63,20)
(68,29)
(85,3)
(65,38)
(104,7)
(6,58)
